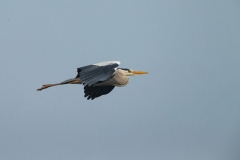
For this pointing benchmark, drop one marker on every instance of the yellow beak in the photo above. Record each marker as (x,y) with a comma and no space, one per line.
(139,72)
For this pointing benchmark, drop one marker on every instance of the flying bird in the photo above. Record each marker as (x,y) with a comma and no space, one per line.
(99,79)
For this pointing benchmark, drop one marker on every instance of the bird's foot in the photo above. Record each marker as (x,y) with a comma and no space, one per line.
(45,86)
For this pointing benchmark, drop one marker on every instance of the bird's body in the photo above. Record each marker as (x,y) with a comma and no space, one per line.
(119,79)
(99,79)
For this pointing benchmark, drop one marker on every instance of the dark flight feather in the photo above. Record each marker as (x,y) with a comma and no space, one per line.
(97,91)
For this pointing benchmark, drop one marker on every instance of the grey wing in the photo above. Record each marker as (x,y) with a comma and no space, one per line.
(95,73)
(94,92)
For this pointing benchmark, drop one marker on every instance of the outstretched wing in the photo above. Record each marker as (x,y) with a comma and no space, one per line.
(95,73)
(97,91)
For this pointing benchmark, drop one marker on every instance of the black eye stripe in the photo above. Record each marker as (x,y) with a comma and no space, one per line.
(125,69)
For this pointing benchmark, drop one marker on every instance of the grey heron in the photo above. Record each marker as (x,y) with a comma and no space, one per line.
(99,79)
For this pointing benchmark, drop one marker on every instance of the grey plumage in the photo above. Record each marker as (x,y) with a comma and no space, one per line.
(93,74)
(99,79)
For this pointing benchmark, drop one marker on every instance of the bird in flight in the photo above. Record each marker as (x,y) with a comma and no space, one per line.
(99,79)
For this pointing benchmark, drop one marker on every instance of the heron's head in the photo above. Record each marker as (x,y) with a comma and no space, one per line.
(130,72)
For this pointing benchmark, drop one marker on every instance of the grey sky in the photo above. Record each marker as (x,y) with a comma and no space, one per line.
(187,108)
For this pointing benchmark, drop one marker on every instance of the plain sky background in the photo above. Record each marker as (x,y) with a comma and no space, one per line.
(187,108)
